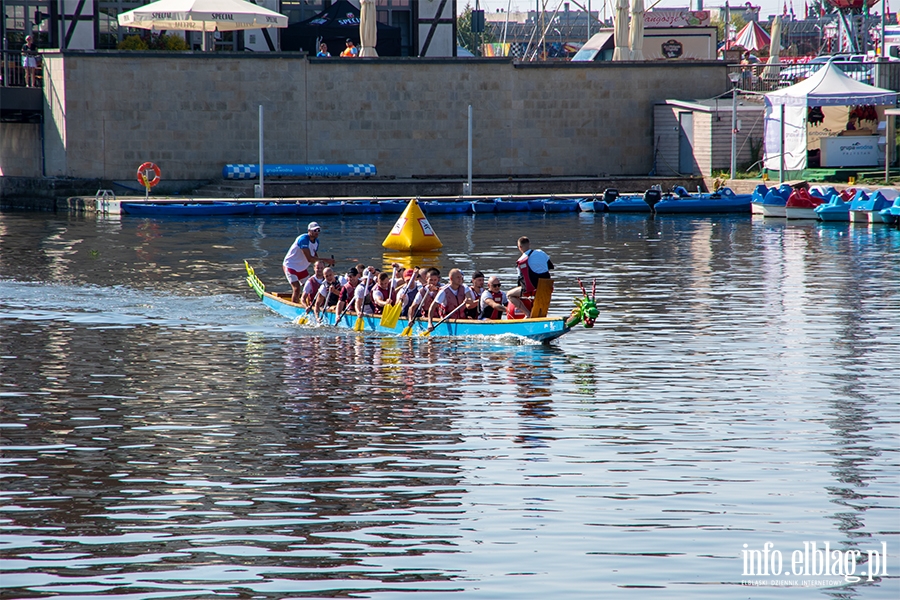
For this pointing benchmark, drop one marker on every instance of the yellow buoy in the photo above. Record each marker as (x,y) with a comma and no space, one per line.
(412,231)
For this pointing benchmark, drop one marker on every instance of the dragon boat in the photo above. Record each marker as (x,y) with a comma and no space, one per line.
(540,329)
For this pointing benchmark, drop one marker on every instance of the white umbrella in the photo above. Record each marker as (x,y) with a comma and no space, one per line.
(368,28)
(202,15)
(772,72)
(637,30)
(620,33)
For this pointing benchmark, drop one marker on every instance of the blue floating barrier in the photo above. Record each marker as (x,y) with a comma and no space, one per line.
(251,171)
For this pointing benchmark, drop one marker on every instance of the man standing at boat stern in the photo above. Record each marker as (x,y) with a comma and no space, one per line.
(303,252)
(531,266)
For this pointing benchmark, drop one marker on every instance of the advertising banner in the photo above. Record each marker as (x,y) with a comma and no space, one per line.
(676,17)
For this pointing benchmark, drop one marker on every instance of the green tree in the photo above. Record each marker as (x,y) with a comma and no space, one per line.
(464,36)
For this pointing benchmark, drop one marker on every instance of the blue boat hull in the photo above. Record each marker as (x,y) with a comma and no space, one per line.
(593,206)
(705,204)
(506,206)
(360,208)
(187,209)
(484,206)
(836,210)
(275,208)
(393,207)
(629,204)
(554,206)
(445,208)
(333,208)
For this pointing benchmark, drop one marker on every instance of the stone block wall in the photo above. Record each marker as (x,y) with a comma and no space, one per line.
(20,150)
(191,113)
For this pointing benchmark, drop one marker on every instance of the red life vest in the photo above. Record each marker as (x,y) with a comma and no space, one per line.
(525,274)
(453,300)
(315,283)
(513,313)
(385,293)
(347,292)
(425,305)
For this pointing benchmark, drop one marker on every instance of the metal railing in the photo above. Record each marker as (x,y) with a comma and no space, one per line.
(763,77)
(12,73)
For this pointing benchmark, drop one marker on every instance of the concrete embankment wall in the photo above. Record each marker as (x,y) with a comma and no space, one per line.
(191,113)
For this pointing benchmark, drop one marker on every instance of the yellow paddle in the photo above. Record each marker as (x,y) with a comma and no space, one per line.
(360,323)
(391,314)
(428,331)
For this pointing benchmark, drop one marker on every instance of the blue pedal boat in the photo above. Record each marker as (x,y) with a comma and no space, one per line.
(774,203)
(187,209)
(536,205)
(836,209)
(891,215)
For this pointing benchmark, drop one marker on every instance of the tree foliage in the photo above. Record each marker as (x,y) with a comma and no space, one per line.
(464,36)
(165,41)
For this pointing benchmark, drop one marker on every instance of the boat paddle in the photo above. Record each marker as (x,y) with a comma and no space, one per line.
(391,313)
(360,322)
(428,331)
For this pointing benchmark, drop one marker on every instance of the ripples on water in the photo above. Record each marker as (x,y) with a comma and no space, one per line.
(163,435)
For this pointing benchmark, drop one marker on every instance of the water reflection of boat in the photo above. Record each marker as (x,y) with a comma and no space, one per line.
(540,329)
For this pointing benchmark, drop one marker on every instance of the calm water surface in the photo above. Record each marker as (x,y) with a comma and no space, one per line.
(165,436)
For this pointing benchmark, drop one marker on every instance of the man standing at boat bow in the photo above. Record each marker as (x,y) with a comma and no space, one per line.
(303,252)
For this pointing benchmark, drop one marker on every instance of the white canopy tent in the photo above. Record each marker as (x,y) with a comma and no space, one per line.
(786,112)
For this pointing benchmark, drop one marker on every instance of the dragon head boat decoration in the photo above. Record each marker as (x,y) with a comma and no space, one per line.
(586,310)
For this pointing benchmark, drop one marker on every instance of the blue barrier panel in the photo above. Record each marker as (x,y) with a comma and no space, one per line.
(245,171)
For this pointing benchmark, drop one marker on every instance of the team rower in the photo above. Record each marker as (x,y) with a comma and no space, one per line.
(329,293)
(493,300)
(449,298)
(311,287)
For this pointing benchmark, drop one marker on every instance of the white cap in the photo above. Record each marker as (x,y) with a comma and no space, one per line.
(313,227)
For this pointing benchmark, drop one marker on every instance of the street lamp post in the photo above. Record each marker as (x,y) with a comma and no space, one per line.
(734,76)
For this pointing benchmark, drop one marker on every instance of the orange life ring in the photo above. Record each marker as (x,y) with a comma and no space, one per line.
(142,174)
